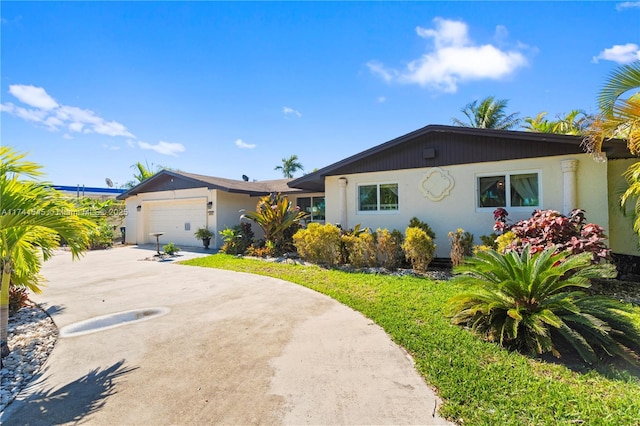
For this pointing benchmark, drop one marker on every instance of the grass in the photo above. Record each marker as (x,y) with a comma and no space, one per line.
(480,383)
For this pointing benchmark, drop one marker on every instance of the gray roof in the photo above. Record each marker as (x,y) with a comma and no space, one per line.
(167,180)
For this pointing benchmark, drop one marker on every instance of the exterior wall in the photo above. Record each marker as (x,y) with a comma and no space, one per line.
(457,209)
(622,238)
(136,221)
(227,213)
(224,212)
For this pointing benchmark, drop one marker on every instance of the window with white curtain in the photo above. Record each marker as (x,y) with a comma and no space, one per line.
(378,197)
(509,190)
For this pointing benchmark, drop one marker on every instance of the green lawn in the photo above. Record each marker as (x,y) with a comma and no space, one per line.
(480,383)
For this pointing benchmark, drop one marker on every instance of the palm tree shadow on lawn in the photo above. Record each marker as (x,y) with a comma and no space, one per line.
(73,401)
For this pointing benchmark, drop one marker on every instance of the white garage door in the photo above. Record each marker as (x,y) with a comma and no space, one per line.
(177,219)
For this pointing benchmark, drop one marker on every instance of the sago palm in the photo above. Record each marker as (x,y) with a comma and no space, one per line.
(534,303)
(34,219)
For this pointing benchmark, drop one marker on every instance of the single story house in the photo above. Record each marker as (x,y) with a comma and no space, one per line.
(178,203)
(455,177)
(450,177)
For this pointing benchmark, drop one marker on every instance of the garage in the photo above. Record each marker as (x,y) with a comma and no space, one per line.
(178,219)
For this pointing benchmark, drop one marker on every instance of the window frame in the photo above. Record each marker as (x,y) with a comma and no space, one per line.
(507,175)
(311,205)
(377,210)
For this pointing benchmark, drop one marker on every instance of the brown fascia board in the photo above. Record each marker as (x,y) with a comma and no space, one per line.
(315,181)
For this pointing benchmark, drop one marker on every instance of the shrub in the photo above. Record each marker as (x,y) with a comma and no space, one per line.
(236,239)
(101,237)
(418,248)
(389,248)
(361,249)
(504,241)
(275,214)
(170,249)
(344,236)
(318,243)
(417,223)
(18,298)
(489,240)
(549,228)
(530,302)
(461,246)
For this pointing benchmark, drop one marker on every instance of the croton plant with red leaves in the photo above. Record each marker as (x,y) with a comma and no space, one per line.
(547,228)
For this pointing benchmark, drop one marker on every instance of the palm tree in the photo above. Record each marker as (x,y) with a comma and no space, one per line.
(289,166)
(539,124)
(34,219)
(144,172)
(489,114)
(533,302)
(620,118)
(572,123)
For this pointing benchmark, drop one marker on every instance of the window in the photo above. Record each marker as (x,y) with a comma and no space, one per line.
(509,190)
(380,197)
(313,206)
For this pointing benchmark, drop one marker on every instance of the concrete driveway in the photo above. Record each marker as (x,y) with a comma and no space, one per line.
(234,349)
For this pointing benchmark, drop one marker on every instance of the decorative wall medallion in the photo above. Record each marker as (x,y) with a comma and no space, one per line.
(436,184)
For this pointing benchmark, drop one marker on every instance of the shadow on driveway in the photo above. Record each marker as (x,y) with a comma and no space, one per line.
(75,400)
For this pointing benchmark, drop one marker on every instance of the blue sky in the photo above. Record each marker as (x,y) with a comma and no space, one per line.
(226,89)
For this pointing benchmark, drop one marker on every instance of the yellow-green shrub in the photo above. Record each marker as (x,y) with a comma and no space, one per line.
(361,249)
(388,248)
(418,248)
(504,240)
(318,243)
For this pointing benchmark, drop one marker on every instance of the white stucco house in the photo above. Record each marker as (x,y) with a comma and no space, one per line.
(455,177)
(178,203)
(450,177)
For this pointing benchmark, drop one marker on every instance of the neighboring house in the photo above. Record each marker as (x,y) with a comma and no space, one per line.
(178,203)
(455,177)
(81,191)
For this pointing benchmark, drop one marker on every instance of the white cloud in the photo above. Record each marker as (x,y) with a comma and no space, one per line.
(628,5)
(33,96)
(620,53)
(454,59)
(166,148)
(46,111)
(378,69)
(243,145)
(290,111)
(381,99)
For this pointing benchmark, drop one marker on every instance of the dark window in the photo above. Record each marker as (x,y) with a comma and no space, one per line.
(509,190)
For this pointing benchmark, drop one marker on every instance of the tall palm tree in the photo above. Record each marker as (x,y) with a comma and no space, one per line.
(538,124)
(575,122)
(289,166)
(620,118)
(34,219)
(488,114)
